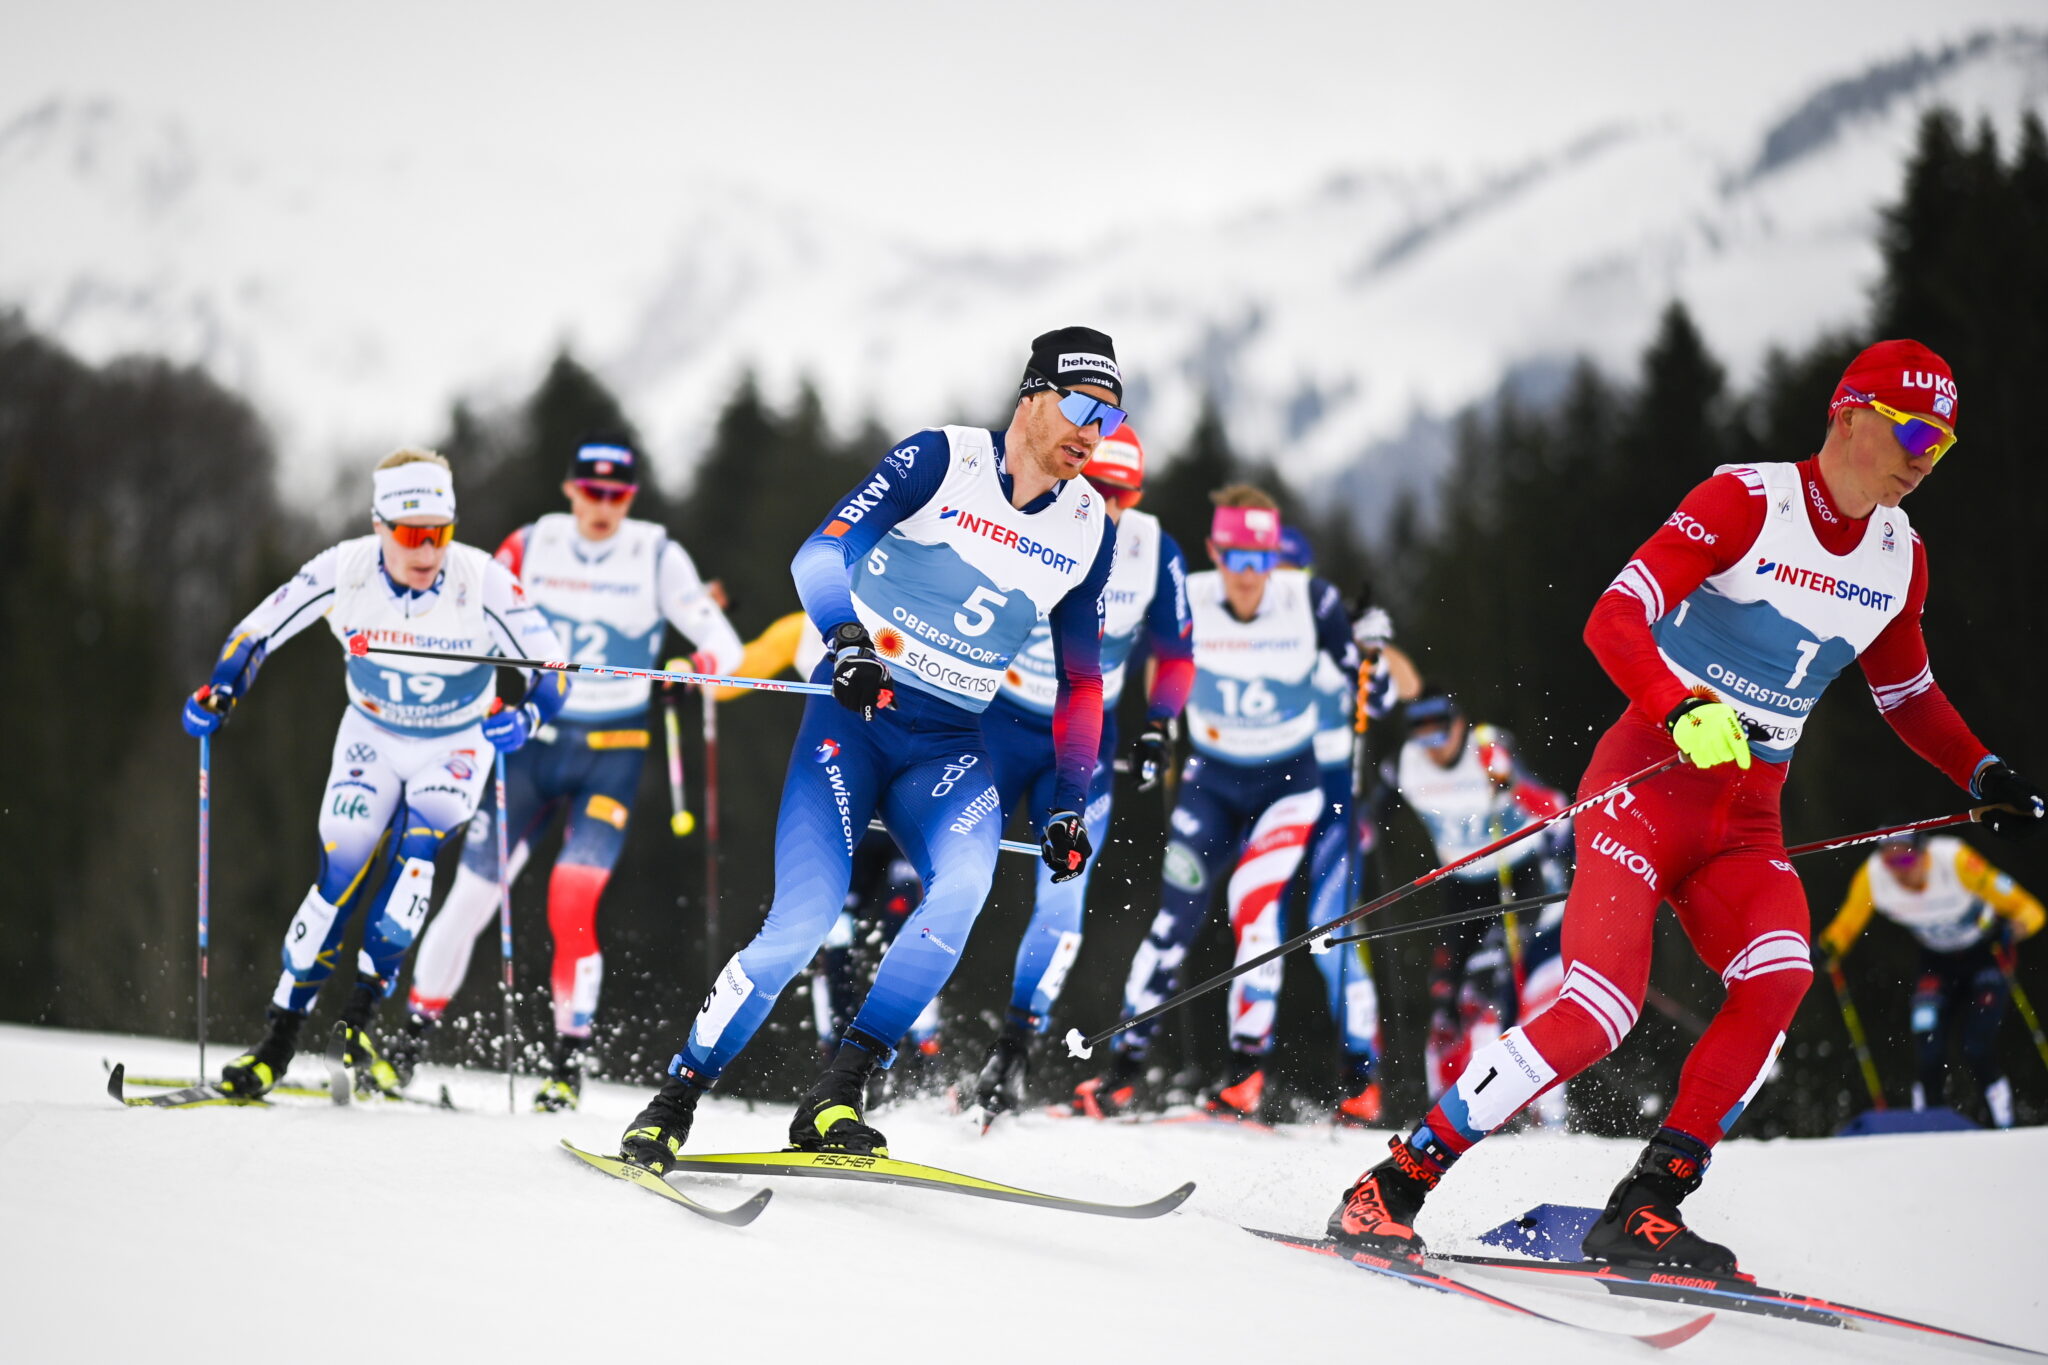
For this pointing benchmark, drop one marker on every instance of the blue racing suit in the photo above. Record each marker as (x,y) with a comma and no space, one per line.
(949,579)
(1148,594)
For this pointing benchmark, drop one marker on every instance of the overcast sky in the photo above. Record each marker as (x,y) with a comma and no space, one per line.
(968,126)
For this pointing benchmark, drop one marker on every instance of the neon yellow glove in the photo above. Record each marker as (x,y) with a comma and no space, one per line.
(1708,733)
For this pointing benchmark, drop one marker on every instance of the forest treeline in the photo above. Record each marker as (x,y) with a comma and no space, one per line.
(140,516)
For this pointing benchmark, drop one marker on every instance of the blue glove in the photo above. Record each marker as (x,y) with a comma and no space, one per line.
(207,710)
(508,730)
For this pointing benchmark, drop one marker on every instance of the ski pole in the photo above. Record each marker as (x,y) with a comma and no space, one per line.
(359,645)
(205,842)
(680,821)
(1537,902)
(1853,1022)
(505,939)
(2009,964)
(1006,845)
(1077,1046)
(711,834)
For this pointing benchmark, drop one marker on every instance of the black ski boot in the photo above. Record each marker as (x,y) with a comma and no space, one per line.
(659,1132)
(829,1117)
(564,1088)
(1000,1087)
(1641,1224)
(256,1070)
(371,1072)
(405,1048)
(1378,1211)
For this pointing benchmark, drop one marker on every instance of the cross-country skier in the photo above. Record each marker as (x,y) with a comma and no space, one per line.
(1333,846)
(1766,582)
(1965,913)
(611,585)
(1147,594)
(1467,785)
(1250,792)
(415,748)
(926,581)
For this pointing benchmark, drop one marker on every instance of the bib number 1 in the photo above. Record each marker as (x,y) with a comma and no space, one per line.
(1807,650)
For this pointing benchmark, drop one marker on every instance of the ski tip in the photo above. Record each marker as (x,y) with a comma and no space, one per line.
(116,1075)
(745,1213)
(1077,1046)
(1675,1336)
(1167,1203)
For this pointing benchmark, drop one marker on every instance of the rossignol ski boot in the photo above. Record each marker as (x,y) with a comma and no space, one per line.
(1120,1091)
(1378,1212)
(1641,1224)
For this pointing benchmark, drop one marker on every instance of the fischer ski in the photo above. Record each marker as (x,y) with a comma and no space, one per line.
(190,1097)
(1423,1278)
(889,1171)
(316,1090)
(647,1180)
(1675,1285)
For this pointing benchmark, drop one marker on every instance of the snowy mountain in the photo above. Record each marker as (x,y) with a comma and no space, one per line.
(355,297)
(323,1234)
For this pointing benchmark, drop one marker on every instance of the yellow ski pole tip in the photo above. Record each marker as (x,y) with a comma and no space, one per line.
(682,822)
(1077,1046)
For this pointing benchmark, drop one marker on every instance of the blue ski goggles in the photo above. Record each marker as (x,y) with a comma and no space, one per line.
(1251,561)
(1083,411)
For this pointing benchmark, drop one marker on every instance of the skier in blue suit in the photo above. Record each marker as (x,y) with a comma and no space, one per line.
(925,581)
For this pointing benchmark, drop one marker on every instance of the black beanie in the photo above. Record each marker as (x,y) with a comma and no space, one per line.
(1069,356)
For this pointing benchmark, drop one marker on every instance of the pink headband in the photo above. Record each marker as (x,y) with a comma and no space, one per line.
(1245,528)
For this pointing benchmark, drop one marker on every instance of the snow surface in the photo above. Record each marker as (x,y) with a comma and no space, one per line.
(309,1233)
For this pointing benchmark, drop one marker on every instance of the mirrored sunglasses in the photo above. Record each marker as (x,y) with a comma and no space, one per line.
(412,537)
(1917,436)
(1083,411)
(1251,561)
(605,492)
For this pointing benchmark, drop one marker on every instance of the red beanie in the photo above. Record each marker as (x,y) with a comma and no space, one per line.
(1900,374)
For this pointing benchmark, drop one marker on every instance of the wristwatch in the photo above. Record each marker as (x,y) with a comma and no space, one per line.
(849,635)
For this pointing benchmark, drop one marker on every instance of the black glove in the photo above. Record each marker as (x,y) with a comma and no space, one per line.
(1065,847)
(2001,786)
(860,680)
(1152,753)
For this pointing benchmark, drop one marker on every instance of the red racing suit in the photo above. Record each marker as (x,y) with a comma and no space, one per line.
(1707,840)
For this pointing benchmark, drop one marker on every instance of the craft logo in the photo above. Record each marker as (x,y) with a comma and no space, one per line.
(889,642)
(827,751)
(1825,584)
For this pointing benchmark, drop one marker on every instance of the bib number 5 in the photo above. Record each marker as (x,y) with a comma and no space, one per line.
(976,614)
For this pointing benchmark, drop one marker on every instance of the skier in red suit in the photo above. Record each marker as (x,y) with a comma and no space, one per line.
(1723,631)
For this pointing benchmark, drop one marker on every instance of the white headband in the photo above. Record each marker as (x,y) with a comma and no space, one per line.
(419,489)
